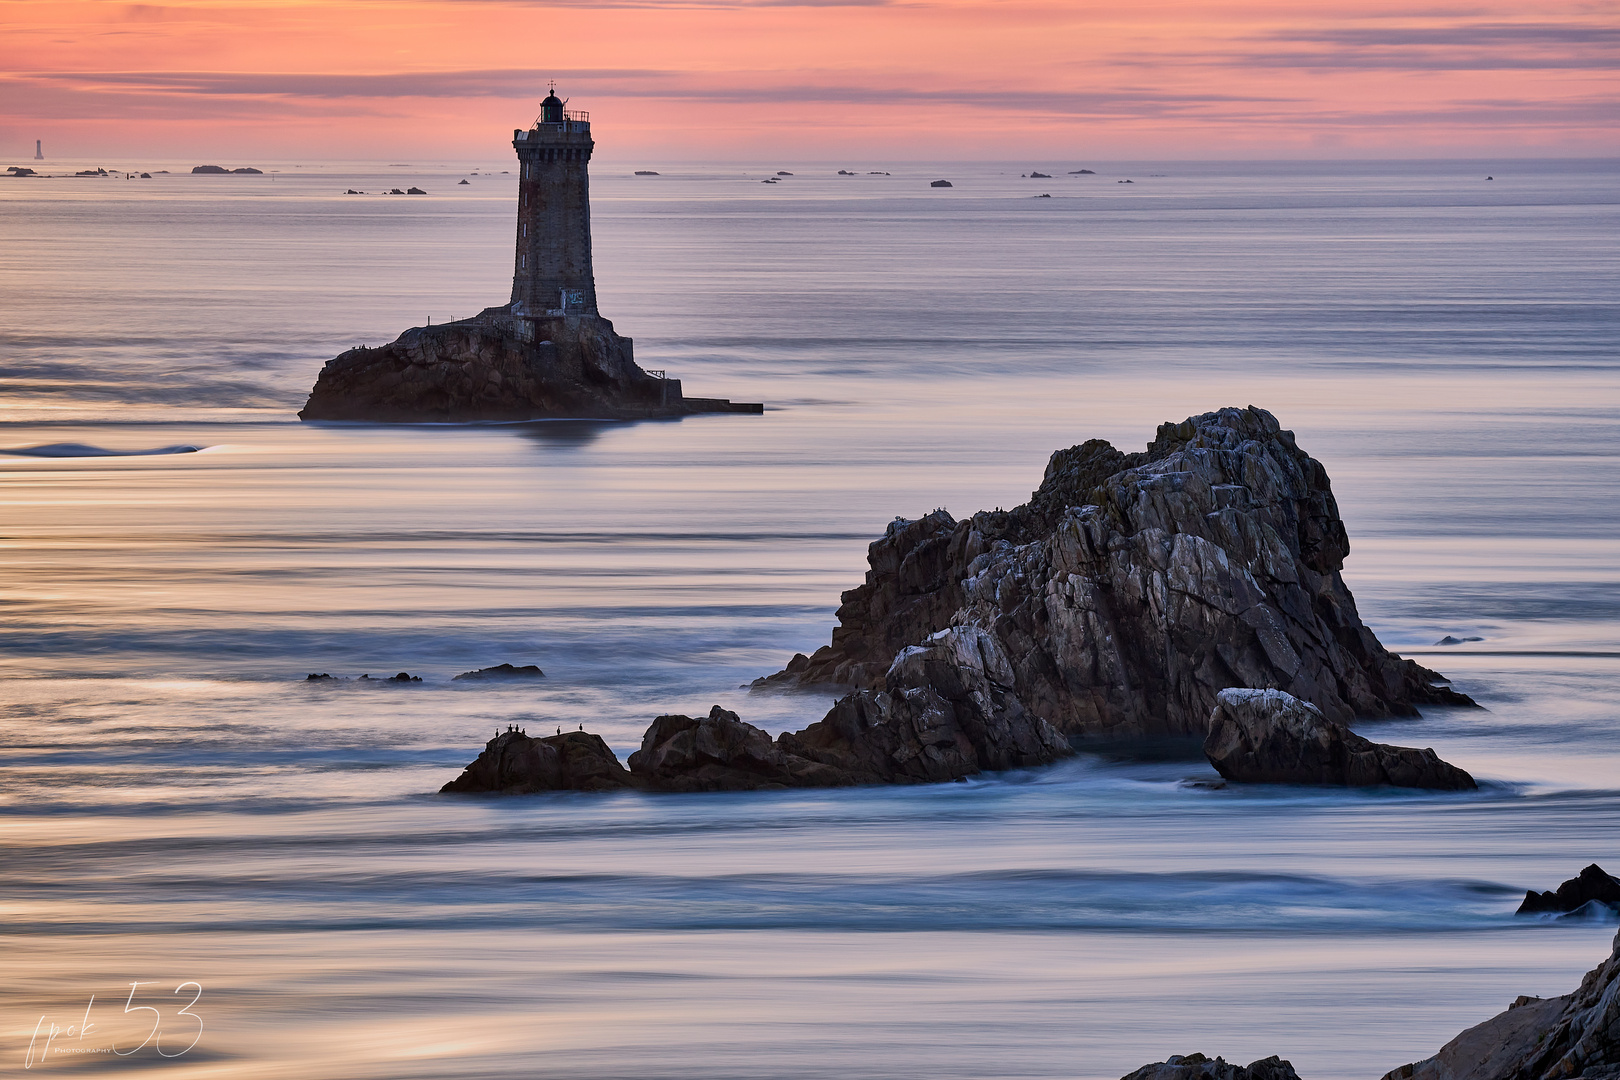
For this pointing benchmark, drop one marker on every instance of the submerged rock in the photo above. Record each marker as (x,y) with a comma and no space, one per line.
(1269,737)
(1132,588)
(502,671)
(1199,1067)
(515,763)
(1574,1036)
(495,366)
(1591,886)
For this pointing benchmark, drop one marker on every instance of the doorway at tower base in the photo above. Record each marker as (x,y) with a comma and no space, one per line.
(496,366)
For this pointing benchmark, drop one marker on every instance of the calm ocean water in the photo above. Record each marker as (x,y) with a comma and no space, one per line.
(176,806)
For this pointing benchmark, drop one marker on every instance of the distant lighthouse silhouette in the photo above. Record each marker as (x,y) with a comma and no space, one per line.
(39,150)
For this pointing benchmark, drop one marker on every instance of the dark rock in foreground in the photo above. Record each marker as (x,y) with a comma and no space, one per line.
(1592,886)
(1561,1038)
(496,366)
(500,672)
(1132,588)
(1199,1067)
(1269,737)
(572,761)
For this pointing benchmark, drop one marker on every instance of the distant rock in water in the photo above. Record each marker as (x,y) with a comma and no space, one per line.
(645,172)
(498,367)
(502,671)
(1199,1067)
(415,191)
(513,762)
(1082,172)
(1269,737)
(320,677)
(1449,640)
(254,172)
(209,169)
(402,677)
(1132,588)
(1591,886)
(458,181)
(1040,176)
(941,183)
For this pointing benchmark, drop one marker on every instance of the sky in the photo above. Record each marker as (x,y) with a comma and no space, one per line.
(814,80)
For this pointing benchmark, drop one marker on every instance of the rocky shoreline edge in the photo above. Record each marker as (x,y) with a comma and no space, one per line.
(1572,1037)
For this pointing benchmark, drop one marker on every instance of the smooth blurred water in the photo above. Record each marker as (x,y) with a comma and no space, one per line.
(176,804)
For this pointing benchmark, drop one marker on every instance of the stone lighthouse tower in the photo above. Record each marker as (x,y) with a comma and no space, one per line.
(551,274)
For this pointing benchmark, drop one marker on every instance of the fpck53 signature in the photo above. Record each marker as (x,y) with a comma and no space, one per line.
(180,1023)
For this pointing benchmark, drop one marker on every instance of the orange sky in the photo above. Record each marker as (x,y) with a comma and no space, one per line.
(813,79)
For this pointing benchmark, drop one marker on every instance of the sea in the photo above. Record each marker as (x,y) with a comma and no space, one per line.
(256,874)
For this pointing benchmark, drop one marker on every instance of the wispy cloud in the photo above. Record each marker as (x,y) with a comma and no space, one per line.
(1456,46)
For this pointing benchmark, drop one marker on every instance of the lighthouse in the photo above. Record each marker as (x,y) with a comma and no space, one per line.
(551,273)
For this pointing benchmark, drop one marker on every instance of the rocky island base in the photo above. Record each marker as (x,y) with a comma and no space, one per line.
(497,366)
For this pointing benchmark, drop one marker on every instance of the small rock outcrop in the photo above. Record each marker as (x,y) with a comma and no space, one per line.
(1561,1038)
(1269,737)
(1199,1067)
(1591,886)
(1132,588)
(514,763)
(501,672)
(945,714)
(496,366)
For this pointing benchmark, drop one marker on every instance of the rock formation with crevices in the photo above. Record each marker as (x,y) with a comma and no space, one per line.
(1132,588)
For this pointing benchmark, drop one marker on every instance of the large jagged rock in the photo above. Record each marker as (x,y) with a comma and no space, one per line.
(1561,1038)
(1132,588)
(1199,1067)
(495,366)
(1269,737)
(514,762)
